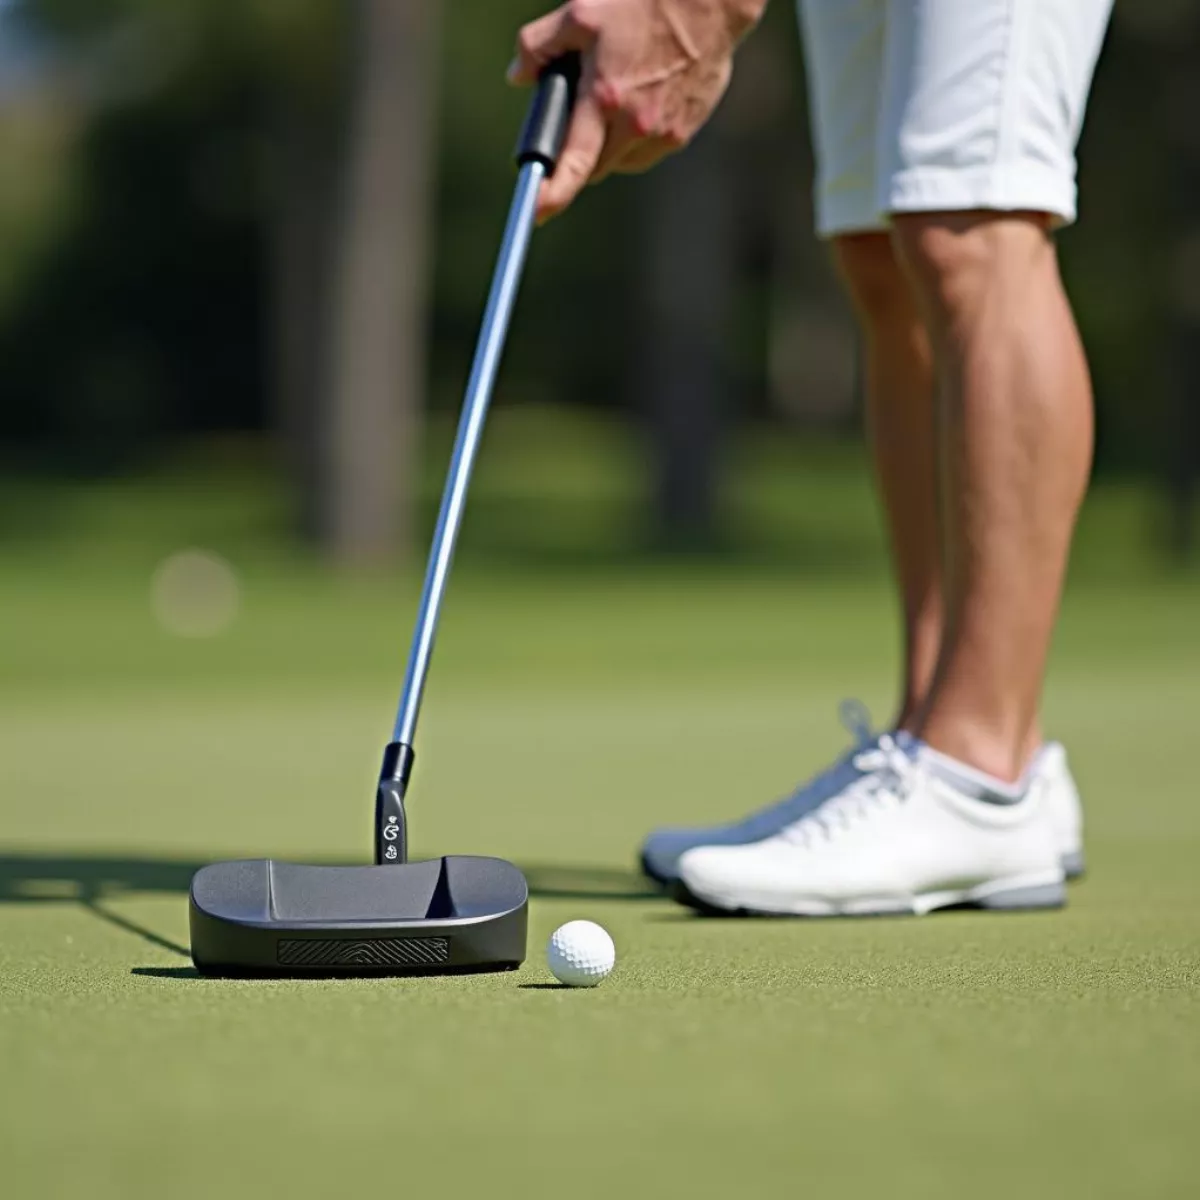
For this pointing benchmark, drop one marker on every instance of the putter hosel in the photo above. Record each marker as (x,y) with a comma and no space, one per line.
(391,822)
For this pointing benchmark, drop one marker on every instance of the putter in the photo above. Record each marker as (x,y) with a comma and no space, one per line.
(460,913)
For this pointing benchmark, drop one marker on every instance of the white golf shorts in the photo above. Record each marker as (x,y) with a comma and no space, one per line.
(946,105)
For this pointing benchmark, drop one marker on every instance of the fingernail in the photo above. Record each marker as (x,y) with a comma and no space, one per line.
(514,70)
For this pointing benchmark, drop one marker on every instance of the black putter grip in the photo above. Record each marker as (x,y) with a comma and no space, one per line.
(550,113)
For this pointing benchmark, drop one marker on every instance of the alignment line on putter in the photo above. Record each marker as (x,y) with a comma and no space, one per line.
(449,914)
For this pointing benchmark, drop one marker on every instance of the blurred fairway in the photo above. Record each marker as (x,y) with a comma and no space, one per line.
(576,702)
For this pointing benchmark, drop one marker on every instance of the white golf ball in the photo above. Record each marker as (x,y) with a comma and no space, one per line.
(581,954)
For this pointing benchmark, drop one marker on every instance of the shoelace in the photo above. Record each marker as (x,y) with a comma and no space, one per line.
(856,721)
(889,776)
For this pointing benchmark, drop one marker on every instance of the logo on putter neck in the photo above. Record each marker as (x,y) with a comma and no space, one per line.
(391,832)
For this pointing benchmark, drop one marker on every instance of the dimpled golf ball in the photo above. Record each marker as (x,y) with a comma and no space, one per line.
(580,954)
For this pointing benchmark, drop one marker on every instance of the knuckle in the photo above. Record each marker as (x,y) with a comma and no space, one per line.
(525,41)
(644,121)
(586,14)
(551,205)
(608,94)
(574,166)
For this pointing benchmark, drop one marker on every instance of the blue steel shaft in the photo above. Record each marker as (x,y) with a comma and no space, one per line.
(488,353)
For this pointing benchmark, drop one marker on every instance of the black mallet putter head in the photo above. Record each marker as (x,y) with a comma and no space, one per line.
(273,918)
(261,917)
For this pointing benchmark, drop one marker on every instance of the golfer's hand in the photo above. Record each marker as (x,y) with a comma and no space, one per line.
(653,72)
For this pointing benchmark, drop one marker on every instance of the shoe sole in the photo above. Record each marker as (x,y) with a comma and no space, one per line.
(654,876)
(1024,893)
(1074,866)
(1074,869)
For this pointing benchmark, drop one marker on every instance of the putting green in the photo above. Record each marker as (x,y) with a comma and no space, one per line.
(1050,1054)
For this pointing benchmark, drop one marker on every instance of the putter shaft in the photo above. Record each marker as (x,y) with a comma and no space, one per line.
(488,353)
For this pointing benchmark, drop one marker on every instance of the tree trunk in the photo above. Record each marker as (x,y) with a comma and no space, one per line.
(305,162)
(688,265)
(1177,68)
(377,361)
(1184,468)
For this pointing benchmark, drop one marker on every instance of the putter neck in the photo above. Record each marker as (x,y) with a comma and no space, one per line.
(391,824)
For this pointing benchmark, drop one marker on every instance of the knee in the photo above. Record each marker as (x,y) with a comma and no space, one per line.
(875,281)
(954,259)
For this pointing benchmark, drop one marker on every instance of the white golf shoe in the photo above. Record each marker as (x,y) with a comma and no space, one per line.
(1062,799)
(905,838)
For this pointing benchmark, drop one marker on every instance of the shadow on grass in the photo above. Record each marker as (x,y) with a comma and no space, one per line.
(136,928)
(91,881)
(166,972)
(550,882)
(29,878)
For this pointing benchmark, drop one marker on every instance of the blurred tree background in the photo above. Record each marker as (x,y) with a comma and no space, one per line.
(272,224)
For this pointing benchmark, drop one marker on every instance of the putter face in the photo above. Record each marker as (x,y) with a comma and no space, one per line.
(447,914)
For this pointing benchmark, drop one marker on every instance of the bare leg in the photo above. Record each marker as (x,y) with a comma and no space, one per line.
(1016,429)
(899,385)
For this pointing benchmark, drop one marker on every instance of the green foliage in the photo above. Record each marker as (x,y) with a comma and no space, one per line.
(136,221)
(35,141)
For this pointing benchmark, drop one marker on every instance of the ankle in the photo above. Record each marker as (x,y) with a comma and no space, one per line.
(911,716)
(1003,757)
(1033,743)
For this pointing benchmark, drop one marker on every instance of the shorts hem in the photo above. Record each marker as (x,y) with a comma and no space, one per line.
(942,189)
(842,214)
(938,189)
